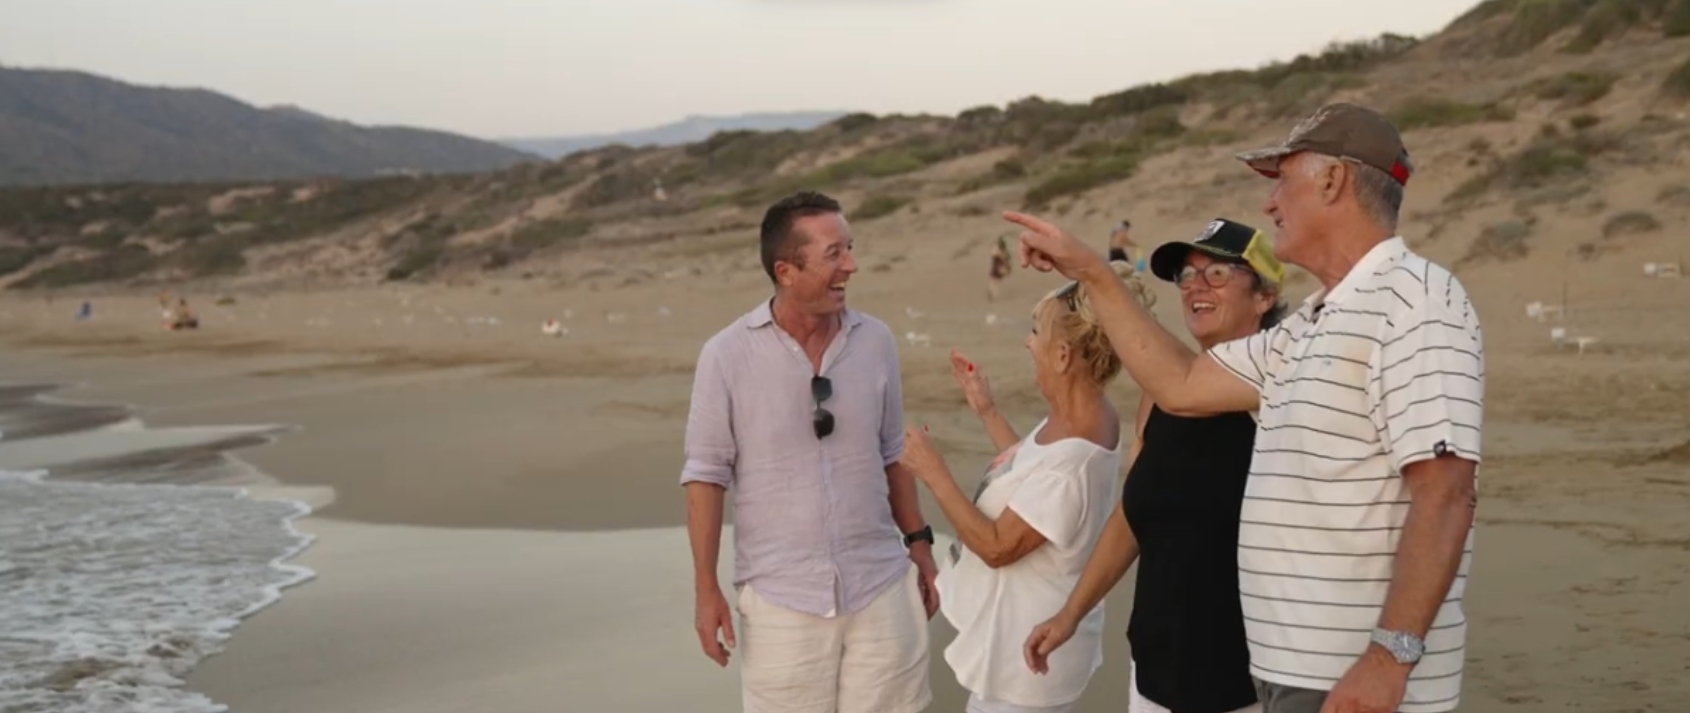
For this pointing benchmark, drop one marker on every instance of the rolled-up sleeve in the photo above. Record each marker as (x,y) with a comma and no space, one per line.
(892,418)
(710,450)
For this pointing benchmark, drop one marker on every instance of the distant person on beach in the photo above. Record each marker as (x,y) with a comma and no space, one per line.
(1121,245)
(1178,513)
(1355,534)
(1000,269)
(798,408)
(1028,530)
(181,317)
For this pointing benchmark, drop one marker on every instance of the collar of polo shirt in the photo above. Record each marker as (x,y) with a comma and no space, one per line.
(1386,250)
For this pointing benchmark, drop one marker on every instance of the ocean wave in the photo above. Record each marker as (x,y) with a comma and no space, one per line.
(111,593)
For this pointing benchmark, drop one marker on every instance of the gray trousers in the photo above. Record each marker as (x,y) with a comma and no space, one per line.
(1279,698)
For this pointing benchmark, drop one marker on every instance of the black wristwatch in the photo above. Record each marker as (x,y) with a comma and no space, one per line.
(924,534)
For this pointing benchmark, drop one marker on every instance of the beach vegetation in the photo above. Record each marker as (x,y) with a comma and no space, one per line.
(1499,242)
(879,205)
(1677,82)
(1575,88)
(124,263)
(1427,113)
(1631,222)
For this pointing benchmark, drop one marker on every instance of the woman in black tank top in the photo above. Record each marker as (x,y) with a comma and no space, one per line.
(1178,516)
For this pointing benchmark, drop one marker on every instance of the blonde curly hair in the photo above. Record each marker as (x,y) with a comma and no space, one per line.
(1067,311)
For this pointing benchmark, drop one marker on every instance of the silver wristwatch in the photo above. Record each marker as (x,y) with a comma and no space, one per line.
(1406,648)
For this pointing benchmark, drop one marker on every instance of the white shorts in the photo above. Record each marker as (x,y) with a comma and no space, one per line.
(976,704)
(1137,703)
(871,661)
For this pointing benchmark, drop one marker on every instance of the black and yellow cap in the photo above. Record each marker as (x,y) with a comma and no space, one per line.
(1226,241)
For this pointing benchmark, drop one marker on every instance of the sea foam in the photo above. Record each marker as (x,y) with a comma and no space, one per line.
(110,593)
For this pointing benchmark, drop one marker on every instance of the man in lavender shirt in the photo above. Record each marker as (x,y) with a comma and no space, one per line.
(798,408)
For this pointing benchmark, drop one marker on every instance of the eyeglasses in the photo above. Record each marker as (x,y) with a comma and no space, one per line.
(1217,274)
(821,389)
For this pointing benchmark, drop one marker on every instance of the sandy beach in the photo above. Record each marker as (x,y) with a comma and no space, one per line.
(499,527)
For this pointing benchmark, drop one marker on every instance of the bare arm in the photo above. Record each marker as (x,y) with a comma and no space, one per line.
(906,502)
(1434,539)
(1001,431)
(711,454)
(999,542)
(704,529)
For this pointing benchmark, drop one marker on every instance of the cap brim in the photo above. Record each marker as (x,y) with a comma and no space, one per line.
(1266,161)
(1169,259)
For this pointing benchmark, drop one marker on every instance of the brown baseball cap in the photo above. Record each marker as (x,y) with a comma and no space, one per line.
(1341,130)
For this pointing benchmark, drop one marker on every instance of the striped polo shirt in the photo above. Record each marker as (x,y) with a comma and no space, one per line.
(1385,370)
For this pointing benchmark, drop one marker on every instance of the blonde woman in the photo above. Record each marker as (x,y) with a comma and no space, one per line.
(1026,533)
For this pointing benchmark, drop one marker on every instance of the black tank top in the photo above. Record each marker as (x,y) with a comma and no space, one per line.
(1182,499)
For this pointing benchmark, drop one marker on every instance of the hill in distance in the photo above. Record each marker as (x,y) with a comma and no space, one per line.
(1544,131)
(686,131)
(65,127)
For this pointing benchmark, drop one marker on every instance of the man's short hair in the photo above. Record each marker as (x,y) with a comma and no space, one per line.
(779,241)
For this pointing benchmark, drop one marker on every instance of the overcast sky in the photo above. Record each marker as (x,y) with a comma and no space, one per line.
(508,68)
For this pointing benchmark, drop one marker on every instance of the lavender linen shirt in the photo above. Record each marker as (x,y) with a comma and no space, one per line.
(813,524)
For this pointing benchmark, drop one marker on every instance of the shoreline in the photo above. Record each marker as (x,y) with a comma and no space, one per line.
(141,552)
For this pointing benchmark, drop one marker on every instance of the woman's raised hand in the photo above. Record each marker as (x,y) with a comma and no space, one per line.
(973,382)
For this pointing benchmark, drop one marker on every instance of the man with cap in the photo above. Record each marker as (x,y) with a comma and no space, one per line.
(1355,533)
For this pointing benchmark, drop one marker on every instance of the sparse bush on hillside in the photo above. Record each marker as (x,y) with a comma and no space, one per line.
(1630,223)
(879,205)
(13,259)
(1576,88)
(1676,194)
(1501,242)
(1139,99)
(123,263)
(1532,22)
(736,154)
(1009,169)
(542,234)
(1424,113)
(1551,159)
(1209,137)
(615,186)
(1676,21)
(1337,58)
(981,115)
(852,122)
(880,164)
(1544,162)
(1584,122)
(1082,177)
(212,256)
(1609,19)
(1677,83)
